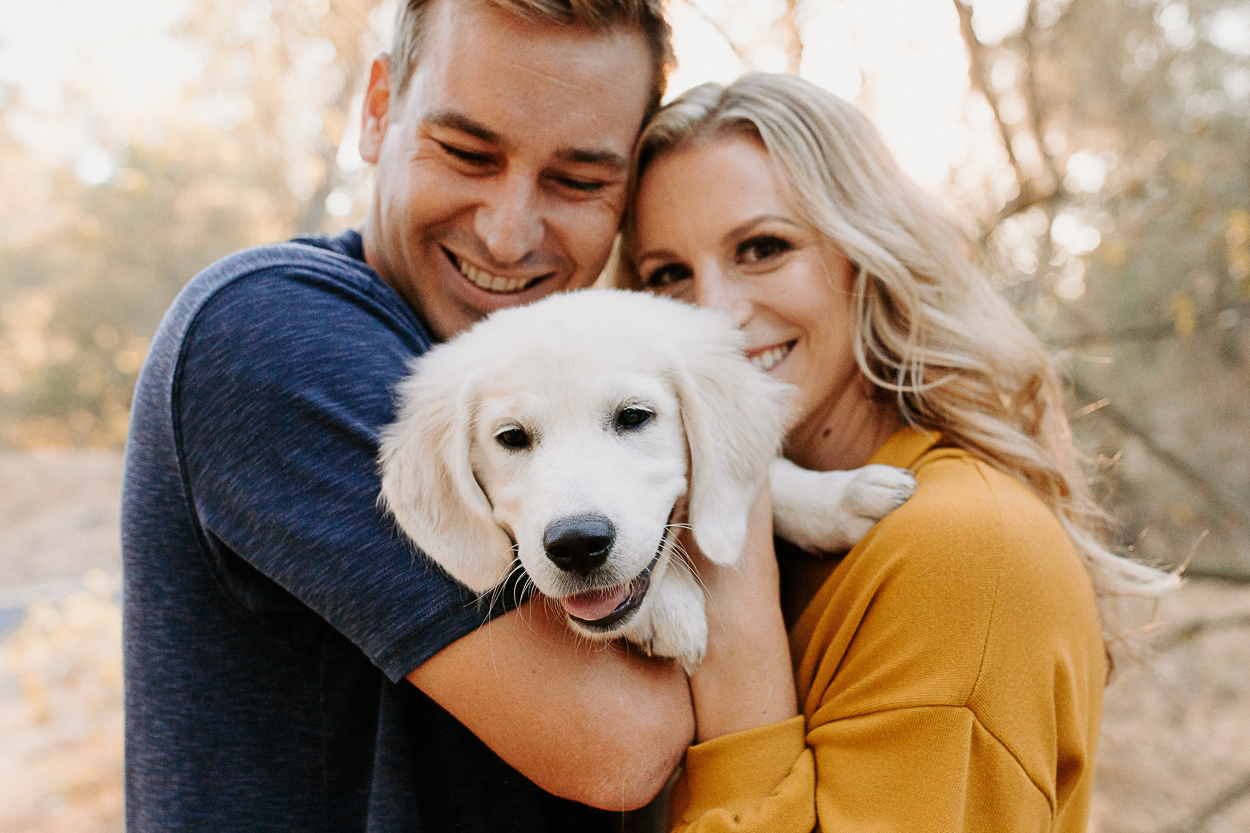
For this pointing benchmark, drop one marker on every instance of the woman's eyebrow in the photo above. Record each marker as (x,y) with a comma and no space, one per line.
(653,254)
(746,228)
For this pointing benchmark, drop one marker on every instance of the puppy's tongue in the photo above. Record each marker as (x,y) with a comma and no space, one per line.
(595,604)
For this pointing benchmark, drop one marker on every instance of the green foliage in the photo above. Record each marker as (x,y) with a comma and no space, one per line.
(248,155)
(1130,254)
(1119,224)
(82,301)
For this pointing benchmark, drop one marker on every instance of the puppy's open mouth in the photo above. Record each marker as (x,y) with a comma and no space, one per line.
(602,610)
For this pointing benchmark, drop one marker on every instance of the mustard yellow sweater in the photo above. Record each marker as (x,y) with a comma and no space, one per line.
(950,672)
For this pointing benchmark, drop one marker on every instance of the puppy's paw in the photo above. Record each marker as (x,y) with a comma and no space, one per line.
(877,490)
(830,511)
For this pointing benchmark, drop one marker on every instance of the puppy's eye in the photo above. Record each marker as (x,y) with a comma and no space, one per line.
(514,438)
(633,418)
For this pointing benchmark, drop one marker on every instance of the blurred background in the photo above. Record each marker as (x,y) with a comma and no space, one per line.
(1099,151)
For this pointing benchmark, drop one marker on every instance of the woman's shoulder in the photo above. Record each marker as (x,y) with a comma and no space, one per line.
(974,517)
(971,525)
(974,572)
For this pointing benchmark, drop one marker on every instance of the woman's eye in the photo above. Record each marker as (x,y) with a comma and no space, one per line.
(759,249)
(666,276)
(514,438)
(633,418)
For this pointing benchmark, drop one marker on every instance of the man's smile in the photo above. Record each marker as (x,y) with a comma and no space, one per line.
(490,282)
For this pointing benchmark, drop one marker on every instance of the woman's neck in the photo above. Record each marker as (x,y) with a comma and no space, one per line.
(845,432)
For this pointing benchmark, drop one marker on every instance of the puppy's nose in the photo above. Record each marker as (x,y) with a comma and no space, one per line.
(579,544)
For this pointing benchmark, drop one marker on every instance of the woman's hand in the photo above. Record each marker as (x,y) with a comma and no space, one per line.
(745,681)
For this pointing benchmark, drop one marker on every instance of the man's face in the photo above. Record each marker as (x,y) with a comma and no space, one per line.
(501,173)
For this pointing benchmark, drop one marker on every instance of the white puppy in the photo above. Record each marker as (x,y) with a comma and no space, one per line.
(569,435)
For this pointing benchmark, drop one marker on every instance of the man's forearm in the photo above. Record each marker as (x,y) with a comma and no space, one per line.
(597,723)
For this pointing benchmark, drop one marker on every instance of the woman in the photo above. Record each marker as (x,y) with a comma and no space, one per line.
(947,673)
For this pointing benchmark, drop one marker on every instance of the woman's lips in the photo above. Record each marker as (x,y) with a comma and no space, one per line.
(769,357)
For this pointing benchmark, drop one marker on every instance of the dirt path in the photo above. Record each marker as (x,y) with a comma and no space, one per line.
(60,643)
(58,516)
(1174,753)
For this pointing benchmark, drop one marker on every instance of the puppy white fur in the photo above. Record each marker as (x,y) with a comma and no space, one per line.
(570,434)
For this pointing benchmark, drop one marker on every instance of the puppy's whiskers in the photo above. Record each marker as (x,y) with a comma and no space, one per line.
(680,553)
(519,590)
(491,596)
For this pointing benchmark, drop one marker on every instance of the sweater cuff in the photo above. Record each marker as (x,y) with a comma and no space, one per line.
(734,769)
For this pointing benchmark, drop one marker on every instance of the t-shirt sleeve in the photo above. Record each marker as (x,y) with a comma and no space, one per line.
(285,380)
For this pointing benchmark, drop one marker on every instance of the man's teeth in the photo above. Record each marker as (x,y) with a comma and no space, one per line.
(489,282)
(768,360)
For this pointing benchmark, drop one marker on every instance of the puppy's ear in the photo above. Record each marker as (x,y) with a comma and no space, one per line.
(735,418)
(427,480)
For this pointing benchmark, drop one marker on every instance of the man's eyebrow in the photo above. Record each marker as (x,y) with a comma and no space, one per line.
(603,158)
(459,121)
(454,120)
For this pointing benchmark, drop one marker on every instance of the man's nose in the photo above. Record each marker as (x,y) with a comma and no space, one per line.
(509,221)
(717,290)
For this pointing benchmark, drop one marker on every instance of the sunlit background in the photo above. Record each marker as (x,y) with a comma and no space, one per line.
(1098,151)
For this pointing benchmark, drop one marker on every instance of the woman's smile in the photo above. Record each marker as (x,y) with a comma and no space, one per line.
(767,358)
(716,228)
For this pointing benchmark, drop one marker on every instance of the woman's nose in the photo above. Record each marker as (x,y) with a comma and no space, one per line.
(715,289)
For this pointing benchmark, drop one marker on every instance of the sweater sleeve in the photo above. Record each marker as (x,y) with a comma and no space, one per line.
(951,676)
(949,671)
(761,779)
(922,769)
(764,779)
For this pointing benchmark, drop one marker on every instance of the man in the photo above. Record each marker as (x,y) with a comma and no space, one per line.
(272,613)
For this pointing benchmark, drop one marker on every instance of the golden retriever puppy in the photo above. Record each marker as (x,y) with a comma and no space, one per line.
(573,437)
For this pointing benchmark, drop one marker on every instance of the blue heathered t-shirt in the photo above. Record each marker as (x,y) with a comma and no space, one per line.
(271,610)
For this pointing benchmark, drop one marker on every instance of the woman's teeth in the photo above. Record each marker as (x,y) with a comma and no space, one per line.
(767,360)
(489,282)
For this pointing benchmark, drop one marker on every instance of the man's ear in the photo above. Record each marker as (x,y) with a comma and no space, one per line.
(375,115)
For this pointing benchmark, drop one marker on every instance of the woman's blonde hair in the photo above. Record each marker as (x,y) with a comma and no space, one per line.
(931,330)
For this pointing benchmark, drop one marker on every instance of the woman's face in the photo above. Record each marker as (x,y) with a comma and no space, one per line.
(716,229)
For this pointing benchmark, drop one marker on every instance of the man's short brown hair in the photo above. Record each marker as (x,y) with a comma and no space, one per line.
(645,16)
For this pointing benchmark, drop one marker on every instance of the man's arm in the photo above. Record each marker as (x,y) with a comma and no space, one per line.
(597,723)
(283,379)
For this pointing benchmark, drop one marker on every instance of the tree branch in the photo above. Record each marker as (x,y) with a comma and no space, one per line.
(1188,472)
(790,31)
(1157,331)
(720,30)
(1236,792)
(1192,572)
(1193,630)
(979,76)
(1034,99)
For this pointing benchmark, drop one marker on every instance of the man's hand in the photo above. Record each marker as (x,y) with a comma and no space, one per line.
(597,723)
